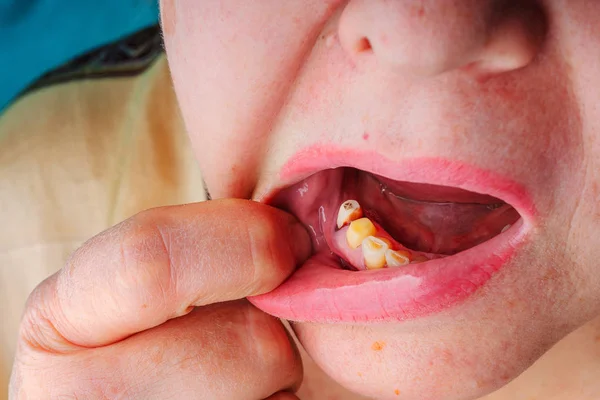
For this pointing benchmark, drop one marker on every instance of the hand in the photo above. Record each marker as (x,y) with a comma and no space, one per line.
(151,309)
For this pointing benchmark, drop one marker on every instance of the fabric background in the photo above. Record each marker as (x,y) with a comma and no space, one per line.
(39,35)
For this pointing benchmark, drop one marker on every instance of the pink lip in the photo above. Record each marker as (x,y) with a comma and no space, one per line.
(321,292)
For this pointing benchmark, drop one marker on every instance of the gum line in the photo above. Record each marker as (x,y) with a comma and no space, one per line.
(355,258)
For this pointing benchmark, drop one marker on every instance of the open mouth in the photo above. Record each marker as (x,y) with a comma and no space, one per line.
(389,249)
(345,207)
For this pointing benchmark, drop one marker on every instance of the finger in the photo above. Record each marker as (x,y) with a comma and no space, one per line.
(158,264)
(223,351)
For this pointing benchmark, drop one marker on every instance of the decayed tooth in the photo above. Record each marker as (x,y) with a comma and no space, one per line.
(386,241)
(358,231)
(397,258)
(350,210)
(374,250)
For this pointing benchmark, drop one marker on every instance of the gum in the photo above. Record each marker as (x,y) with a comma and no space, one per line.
(354,257)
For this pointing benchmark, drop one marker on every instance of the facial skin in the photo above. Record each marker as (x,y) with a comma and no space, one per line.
(512,89)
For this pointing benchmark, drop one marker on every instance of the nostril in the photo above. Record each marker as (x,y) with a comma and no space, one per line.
(363,45)
(483,38)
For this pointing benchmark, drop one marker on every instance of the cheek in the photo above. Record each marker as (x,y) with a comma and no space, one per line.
(229,96)
(582,34)
(168,16)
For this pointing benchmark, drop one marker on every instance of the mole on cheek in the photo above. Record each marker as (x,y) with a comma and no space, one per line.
(378,346)
(168,13)
(418,11)
(384,38)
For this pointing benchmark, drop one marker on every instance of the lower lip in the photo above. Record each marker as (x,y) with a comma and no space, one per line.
(322,292)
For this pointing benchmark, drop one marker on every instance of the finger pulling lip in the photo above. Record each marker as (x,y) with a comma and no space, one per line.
(321,291)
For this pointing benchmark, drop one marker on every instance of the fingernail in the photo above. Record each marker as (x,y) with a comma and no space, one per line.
(299,241)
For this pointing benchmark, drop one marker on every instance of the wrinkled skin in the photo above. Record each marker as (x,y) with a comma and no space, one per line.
(512,90)
(154,308)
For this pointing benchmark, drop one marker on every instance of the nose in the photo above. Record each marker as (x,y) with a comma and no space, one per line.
(430,37)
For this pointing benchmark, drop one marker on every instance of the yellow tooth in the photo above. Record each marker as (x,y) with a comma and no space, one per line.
(397,258)
(349,211)
(505,228)
(386,241)
(374,250)
(358,231)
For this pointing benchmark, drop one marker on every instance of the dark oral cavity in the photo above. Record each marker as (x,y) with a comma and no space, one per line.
(427,220)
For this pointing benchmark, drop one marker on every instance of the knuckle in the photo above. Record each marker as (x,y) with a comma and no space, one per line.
(39,328)
(145,267)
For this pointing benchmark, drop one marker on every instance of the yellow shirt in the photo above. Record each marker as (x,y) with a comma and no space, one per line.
(75,159)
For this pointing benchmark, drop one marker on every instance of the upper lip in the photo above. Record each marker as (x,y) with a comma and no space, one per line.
(428,170)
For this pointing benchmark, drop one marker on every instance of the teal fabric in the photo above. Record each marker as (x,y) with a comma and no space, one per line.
(39,35)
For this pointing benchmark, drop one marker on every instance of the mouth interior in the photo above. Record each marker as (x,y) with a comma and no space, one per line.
(431,220)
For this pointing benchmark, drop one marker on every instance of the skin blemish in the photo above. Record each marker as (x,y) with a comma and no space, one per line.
(363,45)
(397,392)
(359,374)
(156,355)
(384,38)
(377,346)
(418,11)
(144,305)
(330,40)
(365,136)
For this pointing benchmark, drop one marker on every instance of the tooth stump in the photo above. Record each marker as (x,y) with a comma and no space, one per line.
(349,211)
(397,258)
(374,250)
(358,231)
(386,241)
